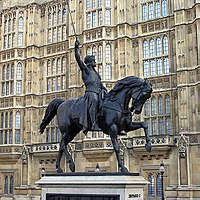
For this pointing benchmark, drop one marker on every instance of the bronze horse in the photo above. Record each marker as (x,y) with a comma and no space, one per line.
(115,116)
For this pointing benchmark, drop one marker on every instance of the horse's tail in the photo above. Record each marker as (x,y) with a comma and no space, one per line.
(50,113)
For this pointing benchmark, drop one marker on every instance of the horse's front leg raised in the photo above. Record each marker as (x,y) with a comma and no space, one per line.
(113,136)
(137,125)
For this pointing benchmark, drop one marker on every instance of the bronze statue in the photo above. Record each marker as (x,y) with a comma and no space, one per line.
(93,93)
(116,116)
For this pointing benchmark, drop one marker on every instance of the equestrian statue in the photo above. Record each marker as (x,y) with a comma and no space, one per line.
(110,112)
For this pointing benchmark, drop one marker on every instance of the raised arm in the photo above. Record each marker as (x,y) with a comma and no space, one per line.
(77,55)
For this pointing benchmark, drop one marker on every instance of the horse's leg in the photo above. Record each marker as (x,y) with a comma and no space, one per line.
(113,136)
(64,143)
(137,125)
(60,153)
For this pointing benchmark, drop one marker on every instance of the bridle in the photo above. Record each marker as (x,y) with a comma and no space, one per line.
(133,105)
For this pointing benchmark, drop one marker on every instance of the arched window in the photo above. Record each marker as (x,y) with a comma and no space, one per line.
(153,106)
(14,24)
(49,19)
(152,48)
(20,31)
(167,105)
(6,185)
(157,9)
(166,65)
(64,15)
(88,19)
(160,105)
(59,17)
(151,10)
(100,18)
(144,12)
(58,66)
(9,25)
(94,51)
(158,185)
(145,49)
(63,65)
(165,45)
(158,47)
(2,120)
(17,127)
(54,19)
(8,72)
(11,184)
(19,71)
(48,67)
(19,79)
(147,108)
(108,17)
(151,190)
(100,53)
(164,8)
(54,67)
(12,71)
(3,72)
(108,53)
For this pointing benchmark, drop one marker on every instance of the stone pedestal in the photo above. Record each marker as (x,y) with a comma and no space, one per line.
(92,186)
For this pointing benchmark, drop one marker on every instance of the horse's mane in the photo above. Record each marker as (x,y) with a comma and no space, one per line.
(132,81)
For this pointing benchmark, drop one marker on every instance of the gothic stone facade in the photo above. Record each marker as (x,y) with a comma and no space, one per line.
(155,39)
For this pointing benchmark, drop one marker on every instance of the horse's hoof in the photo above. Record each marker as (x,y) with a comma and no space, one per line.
(59,171)
(124,170)
(148,147)
(72,167)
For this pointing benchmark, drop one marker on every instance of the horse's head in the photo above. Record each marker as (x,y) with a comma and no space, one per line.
(140,95)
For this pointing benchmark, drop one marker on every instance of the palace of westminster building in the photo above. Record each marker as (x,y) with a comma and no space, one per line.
(154,39)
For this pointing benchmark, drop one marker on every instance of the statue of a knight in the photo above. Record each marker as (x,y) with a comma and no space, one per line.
(94,90)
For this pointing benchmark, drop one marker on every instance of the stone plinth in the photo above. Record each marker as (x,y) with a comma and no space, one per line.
(109,186)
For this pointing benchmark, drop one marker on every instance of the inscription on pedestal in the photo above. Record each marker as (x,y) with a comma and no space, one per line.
(81,197)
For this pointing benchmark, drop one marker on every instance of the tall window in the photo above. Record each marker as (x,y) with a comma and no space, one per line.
(94,14)
(52,132)
(108,62)
(160,118)
(8,184)
(108,17)
(154,9)
(56,74)
(154,185)
(19,79)
(20,31)
(7,80)
(17,127)
(156,56)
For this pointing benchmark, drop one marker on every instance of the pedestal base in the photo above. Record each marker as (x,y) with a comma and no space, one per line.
(92,186)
